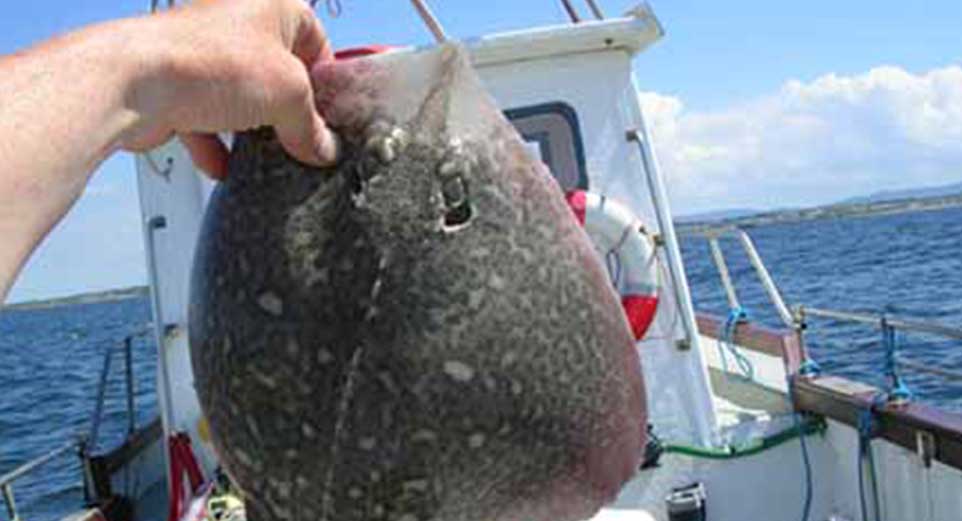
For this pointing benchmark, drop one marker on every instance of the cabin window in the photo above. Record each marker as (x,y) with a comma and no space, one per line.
(552,133)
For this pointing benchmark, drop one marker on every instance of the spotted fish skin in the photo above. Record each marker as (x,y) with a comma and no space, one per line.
(421,332)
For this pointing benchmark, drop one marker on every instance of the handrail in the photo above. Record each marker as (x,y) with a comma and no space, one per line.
(27,467)
(726,278)
(773,294)
(665,227)
(97,415)
(760,269)
(6,480)
(876,319)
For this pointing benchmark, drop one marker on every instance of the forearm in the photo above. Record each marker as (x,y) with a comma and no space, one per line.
(64,107)
(213,66)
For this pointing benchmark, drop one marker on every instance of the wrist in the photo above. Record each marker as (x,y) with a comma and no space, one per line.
(147,64)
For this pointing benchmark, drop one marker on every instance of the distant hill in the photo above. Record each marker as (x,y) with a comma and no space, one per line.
(911,193)
(717,215)
(83,298)
(882,202)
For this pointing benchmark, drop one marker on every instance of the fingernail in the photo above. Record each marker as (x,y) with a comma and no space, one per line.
(327,147)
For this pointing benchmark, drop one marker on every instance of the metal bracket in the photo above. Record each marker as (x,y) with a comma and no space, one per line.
(925,447)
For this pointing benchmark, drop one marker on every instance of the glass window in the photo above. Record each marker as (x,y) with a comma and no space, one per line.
(553,135)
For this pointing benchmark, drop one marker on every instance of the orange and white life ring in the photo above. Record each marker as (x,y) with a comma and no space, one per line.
(628,251)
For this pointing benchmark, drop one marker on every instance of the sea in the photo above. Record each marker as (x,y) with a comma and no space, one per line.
(906,265)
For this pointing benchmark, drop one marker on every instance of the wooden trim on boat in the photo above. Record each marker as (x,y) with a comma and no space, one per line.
(783,344)
(932,433)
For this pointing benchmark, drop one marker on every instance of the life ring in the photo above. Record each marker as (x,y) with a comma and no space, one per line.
(628,251)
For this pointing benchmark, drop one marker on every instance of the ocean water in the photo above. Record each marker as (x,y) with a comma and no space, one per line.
(907,265)
(50,365)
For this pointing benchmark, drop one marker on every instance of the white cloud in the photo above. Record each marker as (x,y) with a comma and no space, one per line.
(815,142)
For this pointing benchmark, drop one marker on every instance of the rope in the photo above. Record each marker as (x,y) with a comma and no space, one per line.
(808,368)
(898,391)
(806,462)
(726,343)
(868,429)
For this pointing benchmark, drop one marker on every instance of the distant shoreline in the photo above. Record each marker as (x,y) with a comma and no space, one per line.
(827,212)
(110,295)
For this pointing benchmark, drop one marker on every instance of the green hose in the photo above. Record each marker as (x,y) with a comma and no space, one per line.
(812,425)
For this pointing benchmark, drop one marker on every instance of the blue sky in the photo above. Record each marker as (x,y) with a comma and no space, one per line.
(881,79)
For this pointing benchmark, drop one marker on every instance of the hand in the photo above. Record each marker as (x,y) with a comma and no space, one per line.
(230,66)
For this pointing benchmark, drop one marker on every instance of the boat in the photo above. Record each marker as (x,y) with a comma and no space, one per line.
(744,424)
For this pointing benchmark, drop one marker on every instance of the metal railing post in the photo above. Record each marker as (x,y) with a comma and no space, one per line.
(719,258)
(595,10)
(430,20)
(99,404)
(11,504)
(773,294)
(129,369)
(158,222)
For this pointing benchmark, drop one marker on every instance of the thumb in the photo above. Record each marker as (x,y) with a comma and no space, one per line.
(299,127)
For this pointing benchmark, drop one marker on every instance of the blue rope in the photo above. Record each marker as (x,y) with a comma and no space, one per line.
(809,367)
(868,429)
(898,391)
(726,343)
(796,418)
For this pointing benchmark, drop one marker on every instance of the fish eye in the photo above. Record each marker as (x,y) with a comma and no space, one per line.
(458,217)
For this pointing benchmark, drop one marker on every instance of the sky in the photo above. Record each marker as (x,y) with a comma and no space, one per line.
(753,104)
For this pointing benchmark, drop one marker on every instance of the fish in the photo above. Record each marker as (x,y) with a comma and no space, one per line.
(419,332)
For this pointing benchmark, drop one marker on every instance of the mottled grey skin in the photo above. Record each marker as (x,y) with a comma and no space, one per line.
(421,333)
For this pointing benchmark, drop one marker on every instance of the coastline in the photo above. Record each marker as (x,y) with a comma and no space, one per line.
(110,295)
(825,212)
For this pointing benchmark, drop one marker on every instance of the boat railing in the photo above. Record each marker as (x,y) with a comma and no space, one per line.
(771,289)
(934,434)
(7,480)
(84,444)
(888,324)
(795,319)
(92,492)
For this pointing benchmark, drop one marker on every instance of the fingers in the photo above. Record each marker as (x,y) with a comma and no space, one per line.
(311,43)
(208,152)
(299,127)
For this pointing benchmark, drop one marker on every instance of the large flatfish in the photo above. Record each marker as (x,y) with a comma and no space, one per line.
(421,332)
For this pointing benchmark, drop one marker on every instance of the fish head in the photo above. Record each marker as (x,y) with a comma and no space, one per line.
(407,172)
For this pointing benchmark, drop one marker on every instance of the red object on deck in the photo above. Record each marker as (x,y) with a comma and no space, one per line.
(182,461)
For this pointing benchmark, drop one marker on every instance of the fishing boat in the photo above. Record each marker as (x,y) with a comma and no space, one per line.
(743,423)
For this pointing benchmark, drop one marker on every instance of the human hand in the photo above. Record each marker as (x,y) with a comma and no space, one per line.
(229,66)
